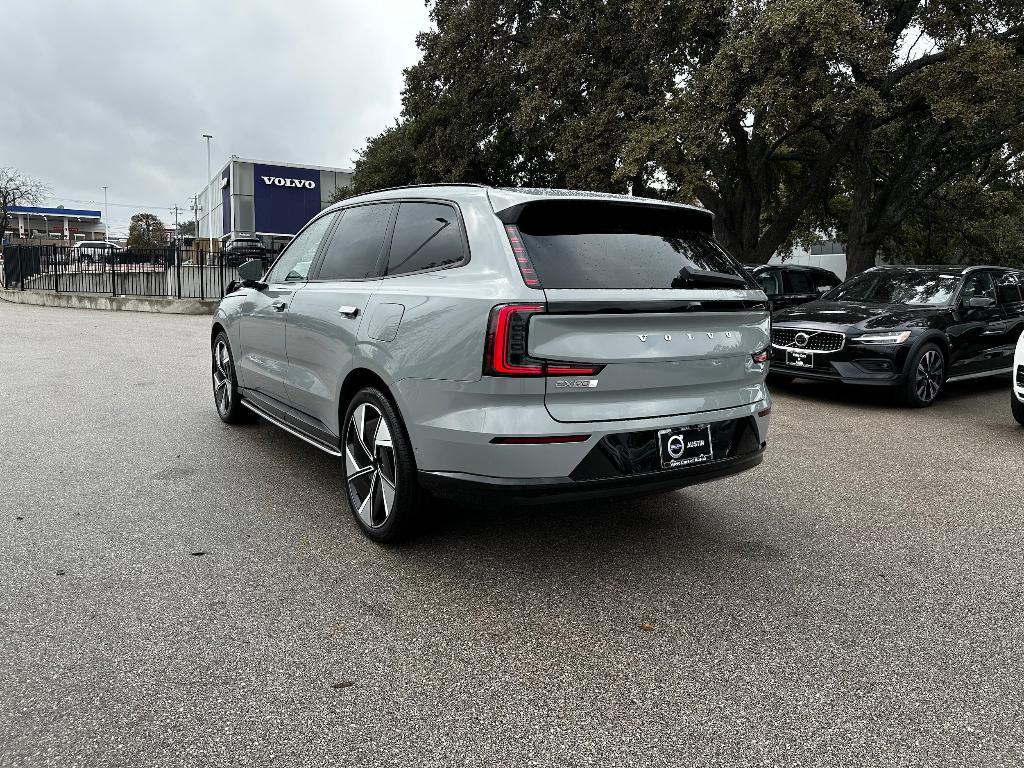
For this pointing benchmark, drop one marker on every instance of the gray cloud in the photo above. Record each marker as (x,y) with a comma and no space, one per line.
(120,92)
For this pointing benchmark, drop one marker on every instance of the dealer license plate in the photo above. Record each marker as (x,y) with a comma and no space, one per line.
(680,446)
(799,359)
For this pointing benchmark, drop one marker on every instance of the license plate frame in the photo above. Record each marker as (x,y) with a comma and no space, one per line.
(693,446)
(797,359)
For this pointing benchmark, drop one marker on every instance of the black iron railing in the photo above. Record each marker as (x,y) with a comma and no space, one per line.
(164,271)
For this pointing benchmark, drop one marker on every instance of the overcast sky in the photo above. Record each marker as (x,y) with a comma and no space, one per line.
(120,92)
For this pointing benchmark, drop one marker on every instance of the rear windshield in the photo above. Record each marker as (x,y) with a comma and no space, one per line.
(610,245)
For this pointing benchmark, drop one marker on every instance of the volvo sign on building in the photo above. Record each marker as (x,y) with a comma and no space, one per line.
(274,200)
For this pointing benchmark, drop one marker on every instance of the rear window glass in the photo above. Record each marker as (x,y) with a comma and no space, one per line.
(609,245)
(427,236)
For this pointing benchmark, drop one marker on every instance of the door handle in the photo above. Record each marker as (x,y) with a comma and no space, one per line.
(279,306)
(348,311)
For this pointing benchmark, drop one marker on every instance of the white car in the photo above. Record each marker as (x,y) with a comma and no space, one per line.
(1017,388)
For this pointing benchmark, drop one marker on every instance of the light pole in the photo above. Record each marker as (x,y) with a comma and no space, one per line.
(106,218)
(209,192)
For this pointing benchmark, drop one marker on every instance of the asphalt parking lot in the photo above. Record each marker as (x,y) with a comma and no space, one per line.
(176,591)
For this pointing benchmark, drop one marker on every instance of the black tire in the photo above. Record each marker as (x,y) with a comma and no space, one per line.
(1016,408)
(926,376)
(225,383)
(379,468)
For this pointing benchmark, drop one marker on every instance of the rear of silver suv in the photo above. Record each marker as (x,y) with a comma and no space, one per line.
(512,345)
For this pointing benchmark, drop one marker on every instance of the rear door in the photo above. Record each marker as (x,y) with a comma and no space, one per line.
(644,292)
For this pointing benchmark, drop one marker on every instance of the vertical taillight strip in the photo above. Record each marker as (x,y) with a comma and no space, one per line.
(515,239)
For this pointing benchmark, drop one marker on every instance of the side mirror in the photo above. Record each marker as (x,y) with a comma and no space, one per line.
(251,271)
(980,302)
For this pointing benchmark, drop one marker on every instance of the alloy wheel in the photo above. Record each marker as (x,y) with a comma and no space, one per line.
(928,378)
(222,376)
(370,466)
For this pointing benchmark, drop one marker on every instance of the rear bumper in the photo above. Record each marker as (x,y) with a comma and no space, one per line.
(506,490)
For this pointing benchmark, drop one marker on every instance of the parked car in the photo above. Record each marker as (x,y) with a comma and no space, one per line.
(241,247)
(89,251)
(500,345)
(787,285)
(908,328)
(1017,387)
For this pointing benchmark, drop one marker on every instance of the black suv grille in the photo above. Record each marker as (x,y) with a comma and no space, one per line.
(809,339)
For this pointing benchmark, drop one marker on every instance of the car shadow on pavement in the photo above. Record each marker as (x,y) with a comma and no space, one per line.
(884,397)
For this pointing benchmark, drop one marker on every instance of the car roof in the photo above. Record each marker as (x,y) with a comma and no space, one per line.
(502,198)
(956,269)
(794,268)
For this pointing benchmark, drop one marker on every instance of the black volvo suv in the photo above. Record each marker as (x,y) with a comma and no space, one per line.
(908,328)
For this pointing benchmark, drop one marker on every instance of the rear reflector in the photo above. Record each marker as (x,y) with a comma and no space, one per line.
(522,257)
(544,440)
(766,412)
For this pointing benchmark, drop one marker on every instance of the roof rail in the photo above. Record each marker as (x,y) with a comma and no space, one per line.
(416,186)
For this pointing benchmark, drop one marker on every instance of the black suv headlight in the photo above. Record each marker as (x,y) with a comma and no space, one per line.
(886,337)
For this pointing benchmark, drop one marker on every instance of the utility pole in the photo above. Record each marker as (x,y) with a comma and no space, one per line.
(106,218)
(209,192)
(177,233)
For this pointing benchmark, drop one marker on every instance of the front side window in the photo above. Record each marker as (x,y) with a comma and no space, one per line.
(297,257)
(355,247)
(427,236)
(1008,289)
(914,288)
(979,285)
(769,282)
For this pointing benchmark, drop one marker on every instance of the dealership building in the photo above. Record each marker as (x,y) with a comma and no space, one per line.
(271,199)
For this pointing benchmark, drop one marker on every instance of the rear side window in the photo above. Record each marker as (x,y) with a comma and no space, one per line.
(797,282)
(355,247)
(609,245)
(427,236)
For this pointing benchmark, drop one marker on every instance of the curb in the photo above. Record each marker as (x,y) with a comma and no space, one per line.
(111,303)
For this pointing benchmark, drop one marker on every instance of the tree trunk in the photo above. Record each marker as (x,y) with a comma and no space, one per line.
(861,246)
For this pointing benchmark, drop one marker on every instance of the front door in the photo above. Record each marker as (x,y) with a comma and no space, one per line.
(983,330)
(262,362)
(326,321)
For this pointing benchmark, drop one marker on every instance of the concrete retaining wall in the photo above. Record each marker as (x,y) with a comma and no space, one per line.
(125,303)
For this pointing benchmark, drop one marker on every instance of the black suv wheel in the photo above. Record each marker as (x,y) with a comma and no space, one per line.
(926,377)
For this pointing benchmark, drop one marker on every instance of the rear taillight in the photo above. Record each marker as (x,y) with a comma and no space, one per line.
(763,356)
(505,352)
(515,239)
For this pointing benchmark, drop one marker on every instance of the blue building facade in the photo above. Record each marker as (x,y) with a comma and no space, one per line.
(272,200)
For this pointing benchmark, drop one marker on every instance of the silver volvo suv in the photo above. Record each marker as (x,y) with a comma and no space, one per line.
(501,344)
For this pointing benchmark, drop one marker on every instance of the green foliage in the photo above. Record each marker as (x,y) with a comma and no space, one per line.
(779,116)
(146,230)
(17,189)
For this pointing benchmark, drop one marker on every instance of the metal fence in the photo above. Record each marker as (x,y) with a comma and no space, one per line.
(167,271)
